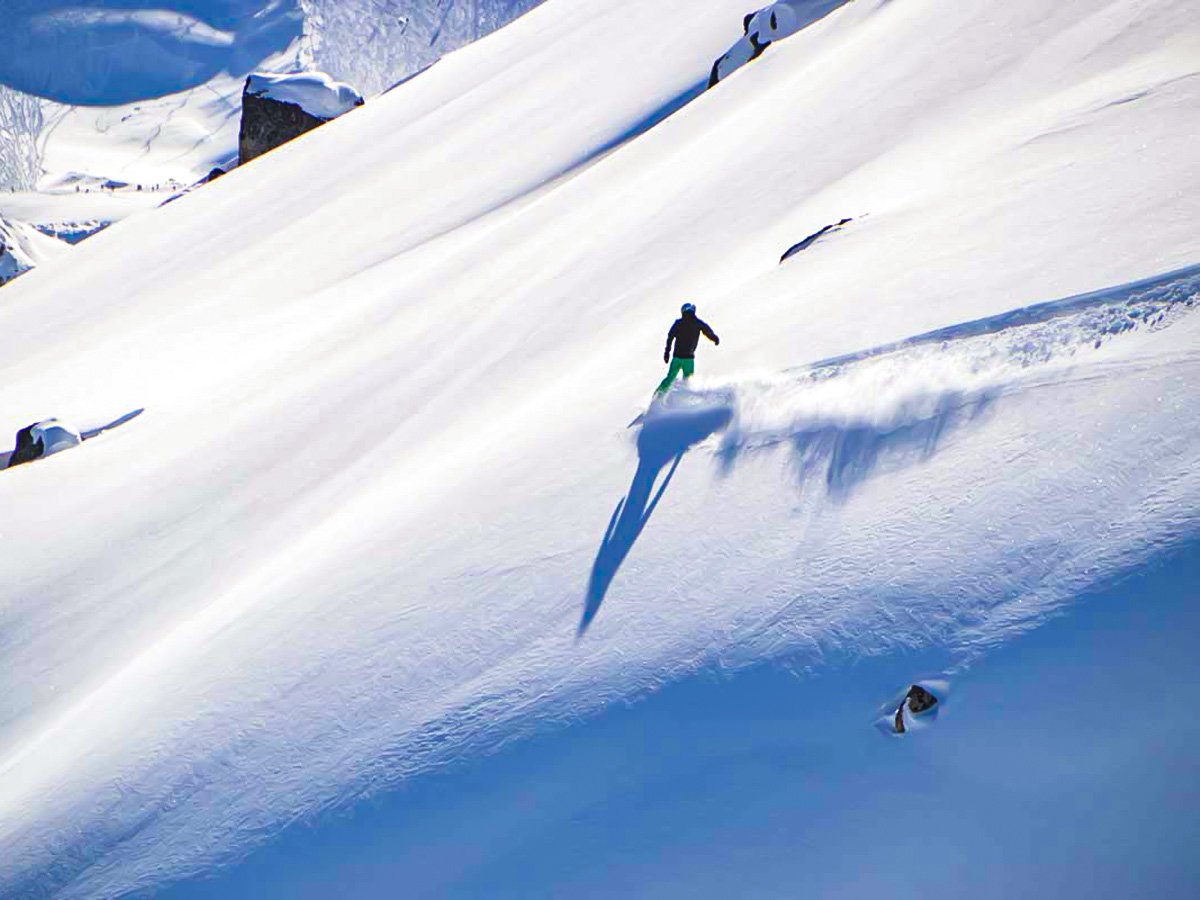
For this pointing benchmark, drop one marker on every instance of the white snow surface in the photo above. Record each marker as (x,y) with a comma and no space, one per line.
(314,92)
(383,476)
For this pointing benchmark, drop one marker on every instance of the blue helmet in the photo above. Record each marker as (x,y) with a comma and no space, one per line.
(688,309)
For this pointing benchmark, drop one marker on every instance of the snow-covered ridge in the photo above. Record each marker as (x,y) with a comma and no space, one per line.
(22,247)
(314,92)
(765,26)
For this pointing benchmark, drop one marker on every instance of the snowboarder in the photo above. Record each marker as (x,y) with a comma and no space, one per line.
(686,335)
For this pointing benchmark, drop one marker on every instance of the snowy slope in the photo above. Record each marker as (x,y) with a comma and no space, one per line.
(383,476)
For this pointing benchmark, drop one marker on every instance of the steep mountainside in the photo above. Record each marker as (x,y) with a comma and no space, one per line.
(399,585)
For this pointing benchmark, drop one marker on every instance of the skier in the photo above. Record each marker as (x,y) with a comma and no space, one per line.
(686,334)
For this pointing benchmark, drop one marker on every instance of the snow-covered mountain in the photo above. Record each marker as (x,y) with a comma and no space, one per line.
(116,52)
(381,595)
(109,92)
(147,95)
(23,247)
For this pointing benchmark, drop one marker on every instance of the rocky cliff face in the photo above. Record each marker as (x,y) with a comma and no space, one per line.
(267,123)
(280,108)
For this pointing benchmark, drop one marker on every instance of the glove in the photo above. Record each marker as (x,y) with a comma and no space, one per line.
(717,342)
(666,357)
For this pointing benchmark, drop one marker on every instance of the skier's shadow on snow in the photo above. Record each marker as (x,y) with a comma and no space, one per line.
(662,439)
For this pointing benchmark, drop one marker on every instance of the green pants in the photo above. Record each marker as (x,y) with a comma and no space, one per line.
(687,366)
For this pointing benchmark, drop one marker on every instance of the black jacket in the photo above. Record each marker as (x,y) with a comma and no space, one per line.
(686,334)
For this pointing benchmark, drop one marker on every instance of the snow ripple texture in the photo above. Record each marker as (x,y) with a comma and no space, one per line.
(868,444)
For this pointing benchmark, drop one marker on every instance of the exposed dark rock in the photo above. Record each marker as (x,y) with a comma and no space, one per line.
(714,74)
(812,239)
(918,700)
(279,108)
(41,439)
(758,44)
(267,123)
(27,449)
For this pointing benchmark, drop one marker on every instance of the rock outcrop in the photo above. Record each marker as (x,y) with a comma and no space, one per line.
(42,439)
(918,700)
(764,26)
(812,239)
(280,108)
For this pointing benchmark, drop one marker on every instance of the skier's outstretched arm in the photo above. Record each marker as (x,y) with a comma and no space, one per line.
(709,333)
(670,339)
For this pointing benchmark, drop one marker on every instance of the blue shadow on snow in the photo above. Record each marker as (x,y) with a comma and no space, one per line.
(1075,736)
(844,454)
(662,439)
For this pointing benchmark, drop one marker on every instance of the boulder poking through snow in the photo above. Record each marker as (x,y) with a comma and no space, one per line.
(279,108)
(914,708)
(42,439)
(759,29)
(764,26)
(812,239)
(918,701)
